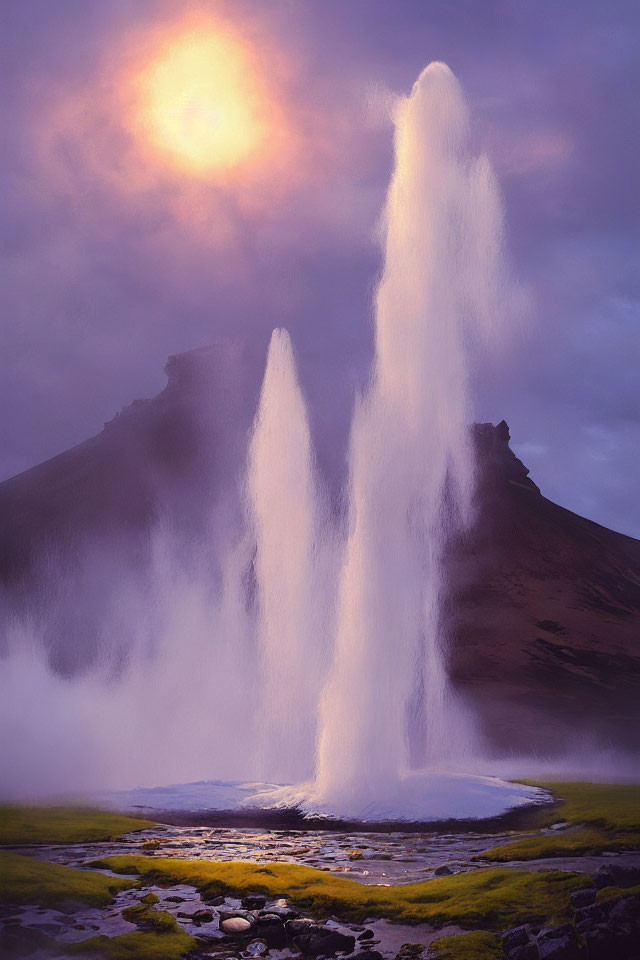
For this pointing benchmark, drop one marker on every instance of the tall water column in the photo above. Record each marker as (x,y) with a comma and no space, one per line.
(411,474)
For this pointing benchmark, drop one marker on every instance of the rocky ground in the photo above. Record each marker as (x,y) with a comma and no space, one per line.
(257,925)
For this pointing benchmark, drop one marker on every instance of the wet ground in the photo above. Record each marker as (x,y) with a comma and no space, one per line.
(372,858)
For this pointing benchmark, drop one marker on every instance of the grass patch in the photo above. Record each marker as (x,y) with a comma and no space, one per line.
(613,893)
(162,938)
(479,945)
(24,825)
(613,806)
(139,945)
(25,880)
(493,898)
(583,842)
(610,812)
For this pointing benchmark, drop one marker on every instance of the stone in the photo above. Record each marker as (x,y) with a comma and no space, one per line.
(515,937)
(366,935)
(558,943)
(272,929)
(202,916)
(583,898)
(256,948)
(235,925)
(618,875)
(326,944)
(254,902)
(442,871)
(303,927)
(594,913)
(527,951)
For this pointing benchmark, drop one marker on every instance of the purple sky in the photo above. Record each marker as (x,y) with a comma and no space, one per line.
(108,267)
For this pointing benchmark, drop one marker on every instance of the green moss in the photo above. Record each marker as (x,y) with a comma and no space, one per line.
(144,914)
(25,880)
(487,898)
(150,898)
(573,843)
(613,806)
(23,825)
(479,945)
(139,945)
(612,893)
(163,939)
(610,812)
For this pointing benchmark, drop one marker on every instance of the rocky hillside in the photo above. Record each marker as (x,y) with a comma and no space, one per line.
(544,612)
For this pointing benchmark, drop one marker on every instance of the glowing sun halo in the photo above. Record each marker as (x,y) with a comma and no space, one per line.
(200,102)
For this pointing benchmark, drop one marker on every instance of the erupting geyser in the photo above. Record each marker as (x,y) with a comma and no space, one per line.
(388,708)
(283,506)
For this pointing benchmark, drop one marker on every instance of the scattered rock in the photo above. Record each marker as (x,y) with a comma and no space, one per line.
(202,916)
(326,944)
(272,929)
(303,927)
(235,925)
(558,943)
(256,948)
(561,825)
(366,935)
(583,898)
(515,937)
(616,875)
(442,871)
(410,951)
(254,902)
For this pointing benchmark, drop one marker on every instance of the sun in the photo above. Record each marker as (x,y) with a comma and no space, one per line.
(199,102)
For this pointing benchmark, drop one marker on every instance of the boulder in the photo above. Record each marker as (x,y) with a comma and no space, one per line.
(271,928)
(558,943)
(583,898)
(235,925)
(325,944)
(515,937)
(254,901)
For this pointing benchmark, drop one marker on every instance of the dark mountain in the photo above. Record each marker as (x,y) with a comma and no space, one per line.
(544,615)
(544,610)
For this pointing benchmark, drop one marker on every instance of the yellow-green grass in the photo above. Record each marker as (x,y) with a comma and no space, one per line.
(574,843)
(613,806)
(139,945)
(162,938)
(612,893)
(26,880)
(479,945)
(492,898)
(26,825)
(610,814)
